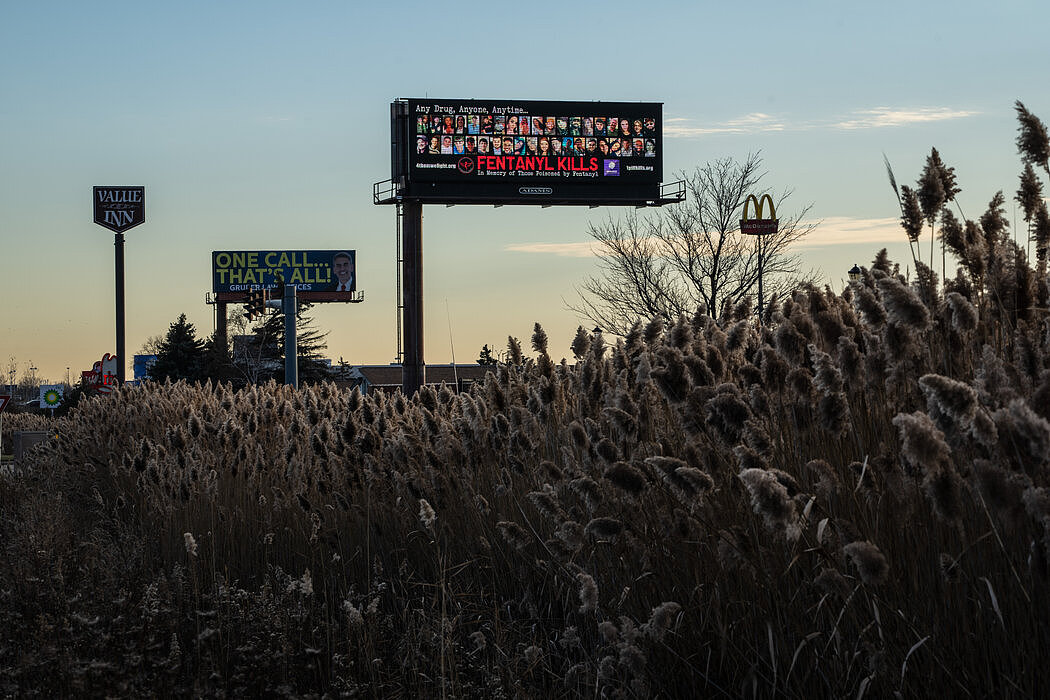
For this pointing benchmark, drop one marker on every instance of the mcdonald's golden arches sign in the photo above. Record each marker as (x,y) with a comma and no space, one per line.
(759,226)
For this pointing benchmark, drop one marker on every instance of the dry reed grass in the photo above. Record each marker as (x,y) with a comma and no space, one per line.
(713,509)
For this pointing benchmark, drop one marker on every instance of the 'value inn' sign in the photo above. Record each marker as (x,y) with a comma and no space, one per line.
(119,208)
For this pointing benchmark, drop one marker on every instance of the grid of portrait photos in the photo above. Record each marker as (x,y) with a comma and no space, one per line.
(521,134)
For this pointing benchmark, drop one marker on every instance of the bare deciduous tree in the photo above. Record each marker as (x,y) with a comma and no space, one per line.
(673,260)
(152,344)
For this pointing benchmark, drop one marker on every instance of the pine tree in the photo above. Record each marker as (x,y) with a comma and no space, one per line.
(486,358)
(180,354)
(310,343)
(217,361)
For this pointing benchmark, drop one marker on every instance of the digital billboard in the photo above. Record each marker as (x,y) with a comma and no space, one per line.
(531,152)
(318,275)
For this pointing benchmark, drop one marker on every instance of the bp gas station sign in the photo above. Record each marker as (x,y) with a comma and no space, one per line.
(51,395)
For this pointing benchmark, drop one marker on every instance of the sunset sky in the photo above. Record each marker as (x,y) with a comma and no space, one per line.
(263,125)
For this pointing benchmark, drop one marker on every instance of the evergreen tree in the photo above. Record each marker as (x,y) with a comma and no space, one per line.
(180,355)
(486,358)
(310,343)
(217,361)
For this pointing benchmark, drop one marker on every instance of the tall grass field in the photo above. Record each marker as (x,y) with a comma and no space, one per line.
(847,499)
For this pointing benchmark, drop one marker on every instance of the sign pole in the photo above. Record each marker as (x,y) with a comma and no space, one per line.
(759,279)
(118,243)
(291,355)
(118,209)
(759,227)
(412,367)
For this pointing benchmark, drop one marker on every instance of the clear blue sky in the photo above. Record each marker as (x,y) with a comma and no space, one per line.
(262,125)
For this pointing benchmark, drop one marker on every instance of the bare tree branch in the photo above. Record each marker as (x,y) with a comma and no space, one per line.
(669,262)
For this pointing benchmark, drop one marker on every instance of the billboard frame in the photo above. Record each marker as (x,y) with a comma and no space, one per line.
(266,270)
(402,187)
(400,190)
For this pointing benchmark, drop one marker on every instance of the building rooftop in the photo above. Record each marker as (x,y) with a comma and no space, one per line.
(388,377)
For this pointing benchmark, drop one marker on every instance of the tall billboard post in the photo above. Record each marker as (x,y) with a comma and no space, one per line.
(501,152)
(118,209)
(221,323)
(413,368)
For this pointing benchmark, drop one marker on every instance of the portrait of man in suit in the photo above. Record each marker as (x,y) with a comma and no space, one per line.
(343,270)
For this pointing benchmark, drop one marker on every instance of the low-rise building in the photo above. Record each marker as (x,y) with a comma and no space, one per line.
(387,378)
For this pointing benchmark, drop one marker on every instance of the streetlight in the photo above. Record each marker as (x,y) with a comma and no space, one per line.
(33,384)
(854,273)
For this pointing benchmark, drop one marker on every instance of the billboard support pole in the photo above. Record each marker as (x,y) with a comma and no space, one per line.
(291,355)
(221,323)
(118,243)
(412,366)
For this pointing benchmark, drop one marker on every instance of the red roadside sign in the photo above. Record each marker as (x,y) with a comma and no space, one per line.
(4,400)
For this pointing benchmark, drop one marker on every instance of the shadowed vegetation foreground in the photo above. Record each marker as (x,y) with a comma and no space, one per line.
(852,499)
